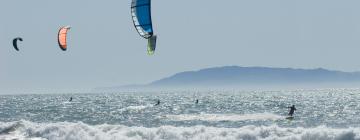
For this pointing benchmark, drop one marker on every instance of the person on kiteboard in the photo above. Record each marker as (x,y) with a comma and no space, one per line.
(292,110)
(158,103)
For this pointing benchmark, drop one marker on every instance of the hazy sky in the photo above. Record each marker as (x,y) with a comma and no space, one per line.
(105,50)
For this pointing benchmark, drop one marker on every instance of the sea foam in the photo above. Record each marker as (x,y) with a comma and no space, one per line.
(80,131)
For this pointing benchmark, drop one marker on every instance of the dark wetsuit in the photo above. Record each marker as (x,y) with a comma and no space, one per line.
(197,101)
(292,110)
(158,102)
(70,99)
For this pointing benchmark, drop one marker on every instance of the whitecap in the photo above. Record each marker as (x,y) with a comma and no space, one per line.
(81,131)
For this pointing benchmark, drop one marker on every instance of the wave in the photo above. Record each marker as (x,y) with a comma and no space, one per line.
(224,117)
(135,108)
(81,131)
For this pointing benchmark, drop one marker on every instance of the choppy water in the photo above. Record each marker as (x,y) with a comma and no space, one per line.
(251,115)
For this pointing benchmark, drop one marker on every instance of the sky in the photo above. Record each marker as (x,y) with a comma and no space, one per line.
(105,49)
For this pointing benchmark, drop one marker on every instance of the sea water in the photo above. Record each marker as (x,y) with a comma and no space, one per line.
(327,114)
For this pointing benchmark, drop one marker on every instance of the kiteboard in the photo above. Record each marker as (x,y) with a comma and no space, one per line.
(289,118)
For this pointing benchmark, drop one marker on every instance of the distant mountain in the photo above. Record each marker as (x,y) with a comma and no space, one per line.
(251,78)
(235,76)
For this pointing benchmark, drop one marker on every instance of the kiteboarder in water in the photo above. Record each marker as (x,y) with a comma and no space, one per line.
(157,103)
(197,101)
(292,110)
(70,99)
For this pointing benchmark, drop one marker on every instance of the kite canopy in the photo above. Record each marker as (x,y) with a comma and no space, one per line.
(62,37)
(141,15)
(15,43)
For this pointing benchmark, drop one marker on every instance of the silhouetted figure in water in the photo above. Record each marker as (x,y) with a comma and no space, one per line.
(157,103)
(292,110)
(197,101)
(70,99)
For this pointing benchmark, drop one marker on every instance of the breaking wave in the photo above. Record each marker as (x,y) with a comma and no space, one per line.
(224,117)
(81,131)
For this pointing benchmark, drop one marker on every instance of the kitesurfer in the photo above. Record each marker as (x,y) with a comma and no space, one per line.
(292,110)
(157,103)
(197,101)
(70,99)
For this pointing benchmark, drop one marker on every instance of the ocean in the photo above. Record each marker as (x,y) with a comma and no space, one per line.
(323,114)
